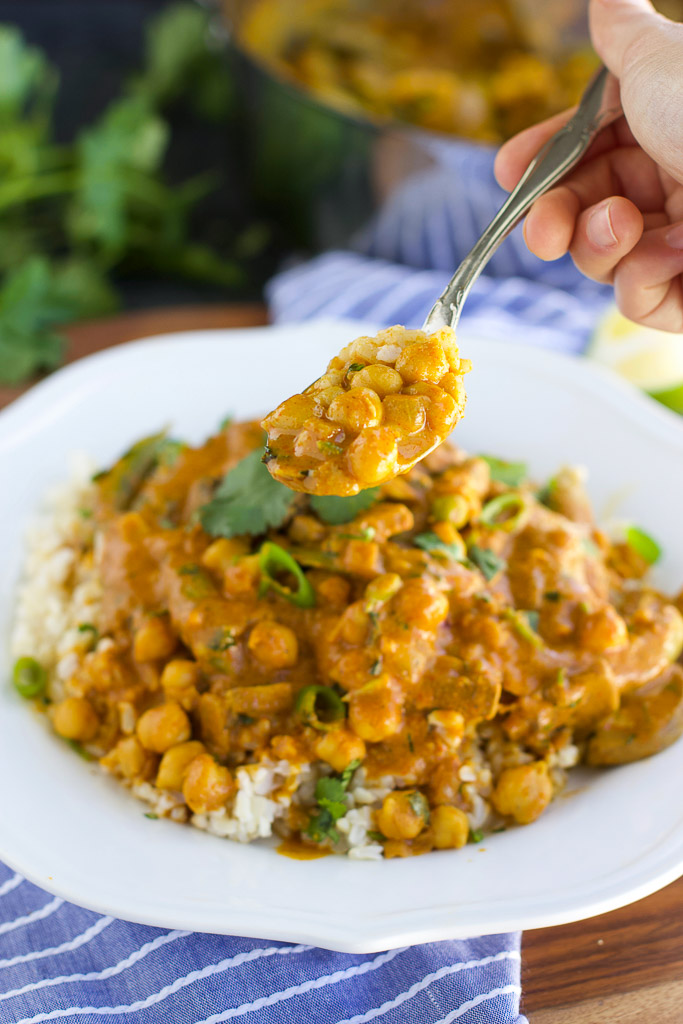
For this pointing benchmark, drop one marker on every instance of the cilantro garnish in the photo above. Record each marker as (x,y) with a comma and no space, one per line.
(435,546)
(329,795)
(336,510)
(476,835)
(248,500)
(509,473)
(488,562)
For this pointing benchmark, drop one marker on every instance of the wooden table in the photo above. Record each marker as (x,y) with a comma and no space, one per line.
(621,968)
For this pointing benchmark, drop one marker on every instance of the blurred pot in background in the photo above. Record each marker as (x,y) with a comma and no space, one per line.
(353,104)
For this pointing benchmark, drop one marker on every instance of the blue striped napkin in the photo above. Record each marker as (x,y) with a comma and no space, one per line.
(59,962)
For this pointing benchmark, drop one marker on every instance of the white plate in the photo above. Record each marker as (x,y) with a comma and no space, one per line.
(77,834)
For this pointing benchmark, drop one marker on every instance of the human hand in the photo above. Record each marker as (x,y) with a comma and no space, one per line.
(620,212)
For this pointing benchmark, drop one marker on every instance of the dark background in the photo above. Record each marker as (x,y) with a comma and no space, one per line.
(96,45)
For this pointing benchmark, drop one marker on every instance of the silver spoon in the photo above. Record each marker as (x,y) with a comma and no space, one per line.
(598,108)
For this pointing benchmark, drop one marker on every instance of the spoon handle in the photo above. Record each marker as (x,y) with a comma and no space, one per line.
(599,107)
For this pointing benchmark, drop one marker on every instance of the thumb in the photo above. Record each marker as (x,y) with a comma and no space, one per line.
(645,52)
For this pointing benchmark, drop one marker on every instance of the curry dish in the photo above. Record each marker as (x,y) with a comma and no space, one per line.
(483,69)
(382,674)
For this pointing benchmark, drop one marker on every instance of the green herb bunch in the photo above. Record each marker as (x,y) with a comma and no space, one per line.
(72,216)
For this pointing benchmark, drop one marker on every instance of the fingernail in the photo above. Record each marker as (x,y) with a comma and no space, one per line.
(599,228)
(674,237)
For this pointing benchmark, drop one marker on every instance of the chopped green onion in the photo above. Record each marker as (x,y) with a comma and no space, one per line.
(433,544)
(451,508)
(330,448)
(274,559)
(504,512)
(320,707)
(643,544)
(355,367)
(419,805)
(510,473)
(522,624)
(486,561)
(29,677)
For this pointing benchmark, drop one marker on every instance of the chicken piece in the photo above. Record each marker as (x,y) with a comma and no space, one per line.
(642,726)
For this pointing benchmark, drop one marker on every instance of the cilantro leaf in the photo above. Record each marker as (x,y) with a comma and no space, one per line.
(329,795)
(247,500)
(488,562)
(179,62)
(335,511)
(434,545)
(510,473)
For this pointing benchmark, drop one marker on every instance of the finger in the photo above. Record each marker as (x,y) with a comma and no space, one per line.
(648,282)
(605,234)
(645,51)
(549,227)
(617,25)
(514,156)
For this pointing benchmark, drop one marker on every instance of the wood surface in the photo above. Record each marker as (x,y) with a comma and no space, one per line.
(625,967)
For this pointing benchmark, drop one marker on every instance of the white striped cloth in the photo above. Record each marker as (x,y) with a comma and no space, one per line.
(403,259)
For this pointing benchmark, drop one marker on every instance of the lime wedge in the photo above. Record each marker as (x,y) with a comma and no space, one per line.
(650,359)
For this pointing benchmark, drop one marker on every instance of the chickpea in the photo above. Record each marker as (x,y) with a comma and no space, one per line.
(179,680)
(372,455)
(207,785)
(423,360)
(175,763)
(383,380)
(420,604)
(291,414)
(129,758)
(333,590)
(223,552)
(406,414)
(242,578)
(163,727)
(273,645)
(441,413)
(154,640)
(450,827)
(523,792)
(403,815)
(453,385)
(375,710)
(603,630)
(451,508)
(75,719)
(339,747)
(356,409)
(305,529)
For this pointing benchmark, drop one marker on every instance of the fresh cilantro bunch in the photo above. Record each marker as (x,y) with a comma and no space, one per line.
(72,216)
